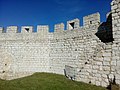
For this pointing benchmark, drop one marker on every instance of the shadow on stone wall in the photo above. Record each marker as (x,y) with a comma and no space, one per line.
(112,84)
(104,32)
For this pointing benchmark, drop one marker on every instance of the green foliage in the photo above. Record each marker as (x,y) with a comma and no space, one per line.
(45,81)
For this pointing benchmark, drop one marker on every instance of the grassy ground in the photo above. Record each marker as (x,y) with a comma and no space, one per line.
(45,81)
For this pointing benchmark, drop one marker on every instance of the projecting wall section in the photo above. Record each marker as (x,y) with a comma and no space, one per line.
(81,49)
(116,35)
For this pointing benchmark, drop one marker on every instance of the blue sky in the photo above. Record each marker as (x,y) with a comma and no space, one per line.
(49,12)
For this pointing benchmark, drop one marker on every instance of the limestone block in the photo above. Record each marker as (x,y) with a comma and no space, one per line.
(98,83)
(118,71)
(106,63)
(97,75)
(119,13)
(118,28)
(107,54)
(118,62)
(107,58)
(118,10)
(106,80)
(114,58)
(113,68)
(95,67)
(118,81)
(117,76)
(98,63)
(104,84)
(112,3)
(114,7)
(104,75)
(106,68)
(119,5)
(100,68)
(111,76)
(113,63)
(94,71)
(93,81)
(115,21)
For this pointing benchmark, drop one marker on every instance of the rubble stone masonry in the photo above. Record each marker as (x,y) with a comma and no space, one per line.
(26,52)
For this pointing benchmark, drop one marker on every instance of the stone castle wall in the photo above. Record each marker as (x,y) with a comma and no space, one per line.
(23,53)
(116,35)
(81,49)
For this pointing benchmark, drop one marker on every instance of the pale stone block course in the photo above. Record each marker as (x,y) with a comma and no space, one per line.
(77,47)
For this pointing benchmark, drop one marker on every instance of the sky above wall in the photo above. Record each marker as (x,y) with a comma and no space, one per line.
(49,12)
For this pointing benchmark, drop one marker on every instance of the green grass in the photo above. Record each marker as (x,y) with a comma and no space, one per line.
(45,81)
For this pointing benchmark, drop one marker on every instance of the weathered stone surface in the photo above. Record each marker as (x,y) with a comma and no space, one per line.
(115,50)
(24,53)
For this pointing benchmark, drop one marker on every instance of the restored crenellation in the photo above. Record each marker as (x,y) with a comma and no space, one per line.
(85,50)
(93,19)
(59,27)
(43,29)
(12,29)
